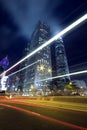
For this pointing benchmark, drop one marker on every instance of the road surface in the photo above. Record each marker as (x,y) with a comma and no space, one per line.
(21,115)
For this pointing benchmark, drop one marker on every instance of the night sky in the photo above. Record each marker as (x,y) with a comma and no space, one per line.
(18,19)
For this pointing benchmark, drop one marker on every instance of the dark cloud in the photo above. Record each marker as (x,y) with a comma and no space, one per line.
(7,29)
(9,36)
(26,13)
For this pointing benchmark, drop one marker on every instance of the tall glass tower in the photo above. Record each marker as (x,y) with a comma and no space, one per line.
(39,72)
(59,63)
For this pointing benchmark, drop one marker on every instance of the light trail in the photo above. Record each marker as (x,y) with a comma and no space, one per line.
(45,117)
(64,75)
(76,65)
(23,68)
(67,29)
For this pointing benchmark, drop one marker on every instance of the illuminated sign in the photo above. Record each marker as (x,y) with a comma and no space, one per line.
(3,82)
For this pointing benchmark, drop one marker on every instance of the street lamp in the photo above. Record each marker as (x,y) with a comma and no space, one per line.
(70,83)
(42,68)
(49,70)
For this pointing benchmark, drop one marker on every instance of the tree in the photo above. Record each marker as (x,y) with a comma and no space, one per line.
(69,87)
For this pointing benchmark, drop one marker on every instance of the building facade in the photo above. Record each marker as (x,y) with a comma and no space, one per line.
(40,68)
(60,65)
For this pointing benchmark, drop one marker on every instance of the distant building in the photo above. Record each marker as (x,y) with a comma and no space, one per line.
(23,77)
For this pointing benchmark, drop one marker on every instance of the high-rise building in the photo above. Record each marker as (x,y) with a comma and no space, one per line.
(23,74)
(59,64)
(49,62)
(41,69)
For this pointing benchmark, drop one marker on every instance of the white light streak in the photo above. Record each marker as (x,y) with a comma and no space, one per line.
(23,68)
(61,76)
(65,75)
(67,29)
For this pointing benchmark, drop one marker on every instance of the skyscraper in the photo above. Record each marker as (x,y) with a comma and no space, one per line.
(59,63)
(41,70)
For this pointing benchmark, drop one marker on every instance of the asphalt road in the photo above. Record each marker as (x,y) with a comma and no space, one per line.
(16,115)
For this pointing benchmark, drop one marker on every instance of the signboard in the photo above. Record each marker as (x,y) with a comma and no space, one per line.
(3,82)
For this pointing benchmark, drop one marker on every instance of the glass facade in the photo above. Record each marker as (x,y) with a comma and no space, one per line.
(37,74)
(61,65)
